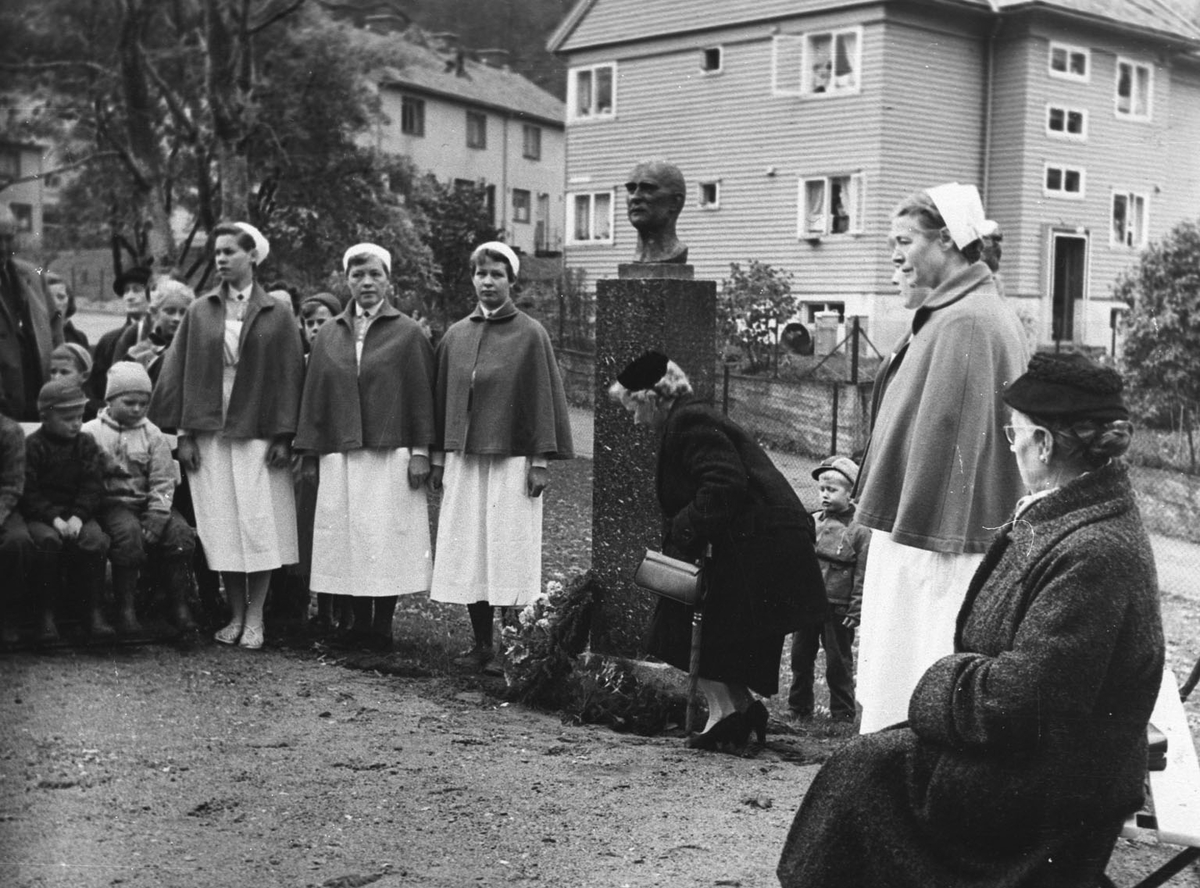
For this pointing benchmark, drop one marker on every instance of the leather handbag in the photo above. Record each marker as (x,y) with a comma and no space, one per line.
(670,578)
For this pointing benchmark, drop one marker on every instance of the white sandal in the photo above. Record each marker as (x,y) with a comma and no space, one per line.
(230,634)
(252,637)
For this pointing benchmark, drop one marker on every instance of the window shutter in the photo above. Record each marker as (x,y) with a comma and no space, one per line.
(787,56)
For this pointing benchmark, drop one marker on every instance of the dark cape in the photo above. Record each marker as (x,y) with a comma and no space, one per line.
(717,486)
(1026,749)
(265,402)
(500,373)
(387,402)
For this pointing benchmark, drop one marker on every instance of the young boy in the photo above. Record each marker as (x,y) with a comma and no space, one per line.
(139,489)
(842,550)
(64,483)
(72,361)
(15,544)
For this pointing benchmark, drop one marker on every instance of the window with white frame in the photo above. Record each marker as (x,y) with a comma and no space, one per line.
(1133,89)
(812,309)
(1129,219)
(830,205)
(821,63)
(711,60)
(710,195)
(1063,181)
(522,202)
(590,217)
(592,92)
(476,129)
(1066,123)
(1070,62)
(531,148)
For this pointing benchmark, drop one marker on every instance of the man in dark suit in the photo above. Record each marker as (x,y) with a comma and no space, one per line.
(133,286)
(30,327)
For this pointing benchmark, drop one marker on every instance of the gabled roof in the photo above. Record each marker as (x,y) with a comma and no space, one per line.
(464,80)
(595,23)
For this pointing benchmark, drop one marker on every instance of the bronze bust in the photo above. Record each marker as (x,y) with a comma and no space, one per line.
(655,194)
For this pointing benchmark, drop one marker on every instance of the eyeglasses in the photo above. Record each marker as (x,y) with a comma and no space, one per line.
(1010,431)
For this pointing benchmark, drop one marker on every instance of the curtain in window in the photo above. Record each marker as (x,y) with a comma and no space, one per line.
(583,93)
(844,75)
(583,216)
(814,206)
(602,214)
(1119,217)
(604,90)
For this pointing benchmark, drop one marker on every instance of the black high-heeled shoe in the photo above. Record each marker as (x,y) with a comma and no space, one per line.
(732,730)
(756,720)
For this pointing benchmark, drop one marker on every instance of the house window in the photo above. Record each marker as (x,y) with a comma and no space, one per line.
(10,164)
(412,116)
(823,63)
(476,129)
(830,205)
(812,309)
(590,218)
(1070,62)
(23,213)
(592,92)
(532,142)
(1133,90)
(522,203)
(1128,219)
(710,60)
(710,195)
(1063,181)
(1066,123)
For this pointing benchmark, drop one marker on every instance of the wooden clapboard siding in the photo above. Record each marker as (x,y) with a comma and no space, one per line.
(1180,198)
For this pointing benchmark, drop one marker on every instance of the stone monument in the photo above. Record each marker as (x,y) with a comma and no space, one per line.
(653,304)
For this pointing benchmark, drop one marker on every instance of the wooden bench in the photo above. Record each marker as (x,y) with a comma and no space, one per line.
(1172,810)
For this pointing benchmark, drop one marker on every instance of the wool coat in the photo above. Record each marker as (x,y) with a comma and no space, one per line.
(938,474)
(499,392)
(64,477)
(37,325)
(717,487)
(265,401)
(140,473)
(386,401)
(1026,748)
(12,466)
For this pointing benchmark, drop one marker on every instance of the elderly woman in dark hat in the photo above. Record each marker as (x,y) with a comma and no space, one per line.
(718,490)
(1025,749)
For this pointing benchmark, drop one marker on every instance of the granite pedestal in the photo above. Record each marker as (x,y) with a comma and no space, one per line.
(661,309)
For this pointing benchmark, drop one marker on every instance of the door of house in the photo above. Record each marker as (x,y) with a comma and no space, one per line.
(1068,269)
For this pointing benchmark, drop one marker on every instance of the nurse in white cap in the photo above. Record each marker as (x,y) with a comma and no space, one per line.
(230,387)
(937,479)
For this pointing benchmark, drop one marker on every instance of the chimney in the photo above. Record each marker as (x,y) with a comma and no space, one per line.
(494,57)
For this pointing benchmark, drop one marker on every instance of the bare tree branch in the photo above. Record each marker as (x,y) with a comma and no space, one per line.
(178,111)
(272,19)
(33,67)
(99,155)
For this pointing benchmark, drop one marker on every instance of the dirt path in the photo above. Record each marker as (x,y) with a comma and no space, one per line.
(216,767)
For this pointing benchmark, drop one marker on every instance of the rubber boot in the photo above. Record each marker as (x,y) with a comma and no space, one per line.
(44,583)
(179,584)
(125,591)
(381,623)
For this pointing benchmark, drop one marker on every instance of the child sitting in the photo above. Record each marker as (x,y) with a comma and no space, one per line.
(15,544)
(139,487)
(72,361)
(842,550)
(64,483)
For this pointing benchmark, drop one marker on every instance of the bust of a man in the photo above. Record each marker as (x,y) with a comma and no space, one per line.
(655,193)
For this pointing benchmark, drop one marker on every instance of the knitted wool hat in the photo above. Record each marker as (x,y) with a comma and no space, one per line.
(125,377)
(843,465)
(61,392)
(77,353)
(326,299)
(643,372)
(1070,386)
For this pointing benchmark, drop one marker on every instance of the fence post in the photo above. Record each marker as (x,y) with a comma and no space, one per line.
(725,390)
(854,350)
(562,318)
(834,433)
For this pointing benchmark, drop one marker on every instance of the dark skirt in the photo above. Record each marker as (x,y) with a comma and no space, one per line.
(866,821)
(752,661)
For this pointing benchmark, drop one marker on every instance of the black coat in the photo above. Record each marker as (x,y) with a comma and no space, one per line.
(717,487)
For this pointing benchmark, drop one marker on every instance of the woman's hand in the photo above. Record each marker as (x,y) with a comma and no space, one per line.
(537,479)
(308,468)
(435,477)
(188,453)
(418,470)
(279,455)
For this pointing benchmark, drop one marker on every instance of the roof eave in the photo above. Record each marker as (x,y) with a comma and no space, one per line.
(1191,42)
(460,99)
(567,25)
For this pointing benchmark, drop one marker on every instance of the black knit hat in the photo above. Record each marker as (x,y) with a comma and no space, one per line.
(643,372)
(328,300)
(1070,386)
(138,275)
